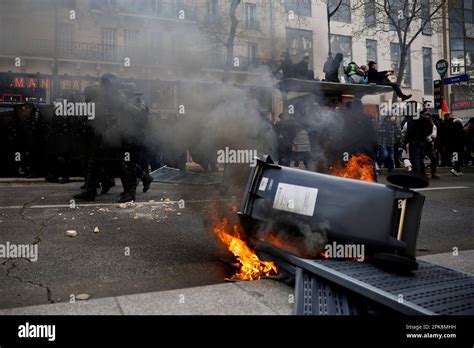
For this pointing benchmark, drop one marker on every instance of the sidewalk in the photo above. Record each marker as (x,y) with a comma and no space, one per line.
(262,297)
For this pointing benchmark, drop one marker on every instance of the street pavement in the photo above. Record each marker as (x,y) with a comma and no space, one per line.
(155,247)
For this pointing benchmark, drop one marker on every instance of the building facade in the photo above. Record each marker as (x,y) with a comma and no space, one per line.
(159,42)
(461,56)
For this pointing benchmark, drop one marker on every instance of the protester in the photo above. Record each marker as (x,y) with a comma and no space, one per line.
(469,140)
(286,129)
(430,148)
(302,71)
(381,78)
(359,135)
(415,132)
(389,135)
(327,64)
(354,73)
(365,78)
(454,144)
(332,69)
(285,67)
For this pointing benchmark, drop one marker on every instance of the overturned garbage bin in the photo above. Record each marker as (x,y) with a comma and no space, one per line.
(300,211)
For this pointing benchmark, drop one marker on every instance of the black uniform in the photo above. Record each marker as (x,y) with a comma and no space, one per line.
(116,136)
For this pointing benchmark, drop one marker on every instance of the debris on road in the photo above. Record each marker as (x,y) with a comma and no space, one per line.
(71,233)
(96,230)
(82,297)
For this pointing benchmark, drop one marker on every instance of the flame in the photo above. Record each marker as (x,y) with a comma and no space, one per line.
(281,242)
(359,167)
(250,267)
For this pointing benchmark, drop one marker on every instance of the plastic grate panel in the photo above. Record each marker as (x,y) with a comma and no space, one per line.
(319,297)
(438,289)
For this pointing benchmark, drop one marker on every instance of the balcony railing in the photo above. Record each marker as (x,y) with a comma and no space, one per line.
(98,52)
(150,8)
(244,62)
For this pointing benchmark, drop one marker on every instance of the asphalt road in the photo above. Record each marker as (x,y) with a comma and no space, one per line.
(149,247)
(157,245)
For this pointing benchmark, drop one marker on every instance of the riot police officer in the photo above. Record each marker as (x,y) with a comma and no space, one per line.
(113,142)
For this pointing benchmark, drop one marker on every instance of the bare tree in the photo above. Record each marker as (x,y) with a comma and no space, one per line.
(331,13)
(221,30)
(231,39)
(406,19)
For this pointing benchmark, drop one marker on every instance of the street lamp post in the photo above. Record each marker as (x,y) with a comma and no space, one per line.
(55,80)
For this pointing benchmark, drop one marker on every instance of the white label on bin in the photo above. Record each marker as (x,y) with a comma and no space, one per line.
(263,184)
(295,199)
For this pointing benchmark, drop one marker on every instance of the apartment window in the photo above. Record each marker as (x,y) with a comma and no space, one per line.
(251,16)
(8,34)
(470,55)
(343,13)
(66,39)
(342,44)
(142,7)
(131,38)
(155,40)
(399,10)
(67,3)
(252,53)
(457,62)
(212,10)
(300,42)
(299,7)
(108,43)
(395,58)
(427,70)
(371,46)
(369,8)
(100,4)
(216,56)
(469,18)
(425,17)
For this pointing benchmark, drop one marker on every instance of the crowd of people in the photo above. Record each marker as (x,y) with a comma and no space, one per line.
(414,141)
(406,143)
(354,74)
(317,138)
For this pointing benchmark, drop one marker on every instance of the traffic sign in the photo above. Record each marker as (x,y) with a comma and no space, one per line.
(442,67)
(456,79)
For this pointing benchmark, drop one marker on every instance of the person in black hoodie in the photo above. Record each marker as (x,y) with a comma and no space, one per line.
(332,70)
(454,142)
(285,69)
(302,71)
(415,132)
(469,139)
(381,78)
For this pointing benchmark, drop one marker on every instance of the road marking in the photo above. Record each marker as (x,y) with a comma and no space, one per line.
(36,186)
(443,188)
(111,204)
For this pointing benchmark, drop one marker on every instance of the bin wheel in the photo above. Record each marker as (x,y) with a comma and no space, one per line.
(407,180)
(396,262)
